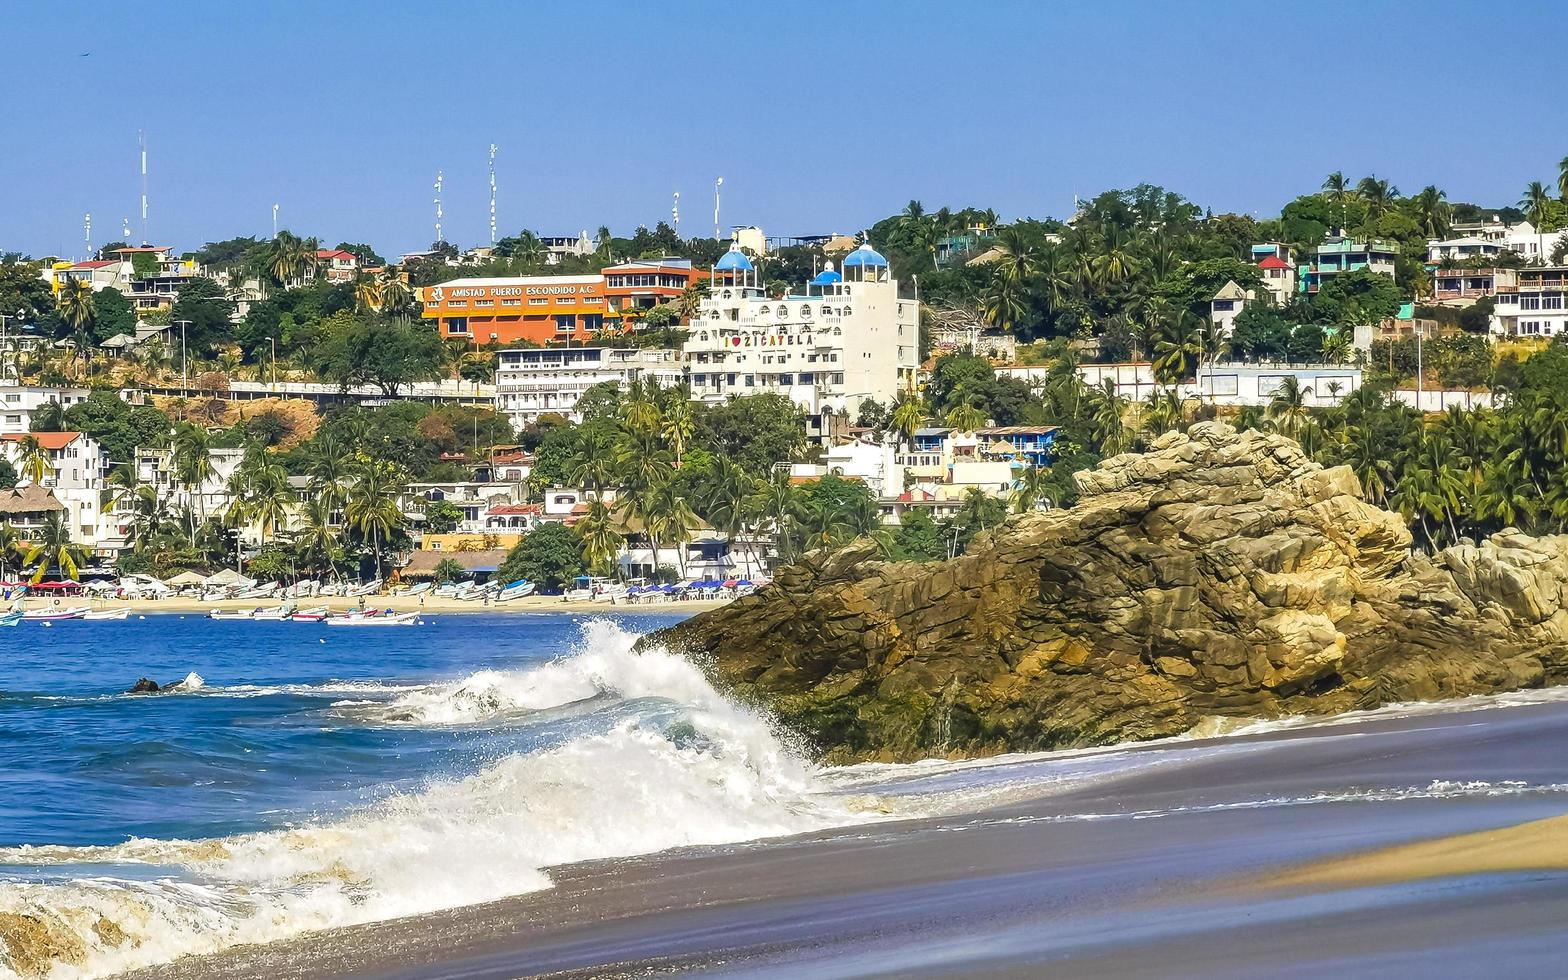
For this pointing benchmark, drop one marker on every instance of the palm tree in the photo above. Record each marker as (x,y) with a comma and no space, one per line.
(909,414)
(367,294)
(1288,408)
(1003,302)
(1562,178)
(1178,349)
(35,462)
(1030,489)
(1110,430)
(1339,194)
(726,498)
(964,415)
(10,549)
(640,411)
(600,538)
(193,465)
(778,505)
(78,309)
(269,499)
(529,250)
(317,541)
(372,505)
(1213,344)
(53,548)
(1338,345)
(1379,196)
(601,240)
(679,425)
(1536,203)
(1431,211)
(331,470)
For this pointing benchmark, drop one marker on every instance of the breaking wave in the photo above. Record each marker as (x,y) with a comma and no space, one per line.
(700,770)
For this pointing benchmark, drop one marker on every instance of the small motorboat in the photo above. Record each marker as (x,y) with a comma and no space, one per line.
(232,614)
(368,619)
(369,588)
(275,614)
(416,590)
(314,615)
(517,590)
(103,615)
(54,615)
(10,619)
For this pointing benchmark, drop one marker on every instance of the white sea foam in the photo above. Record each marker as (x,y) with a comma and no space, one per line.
(631,790)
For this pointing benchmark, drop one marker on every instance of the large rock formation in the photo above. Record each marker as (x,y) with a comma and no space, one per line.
(1216,575)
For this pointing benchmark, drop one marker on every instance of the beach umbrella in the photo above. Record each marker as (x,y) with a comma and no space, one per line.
(731,583)
(744,581)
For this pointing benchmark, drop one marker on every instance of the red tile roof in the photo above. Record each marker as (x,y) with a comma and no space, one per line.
(333,253)
(49,440)
(1273,262)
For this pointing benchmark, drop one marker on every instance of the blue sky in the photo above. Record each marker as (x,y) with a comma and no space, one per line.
(820,117)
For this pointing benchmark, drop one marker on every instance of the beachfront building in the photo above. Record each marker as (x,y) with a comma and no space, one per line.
(550,381)
(210,497)
(1226,383)
(1276,262)
(76,467)
(1534,307)
(1463,249)
(475,500)
(631,289)
(1340,254)
(511,309)
(846,338)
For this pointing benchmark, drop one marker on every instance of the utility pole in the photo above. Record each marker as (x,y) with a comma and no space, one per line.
(716,185)
(184,376)
(274,342)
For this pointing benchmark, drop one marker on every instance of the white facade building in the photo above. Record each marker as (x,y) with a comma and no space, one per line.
(1227,304)
(848,338)
(77,468)
(535,382)
(1233,384)
(1534,307)
(18,403)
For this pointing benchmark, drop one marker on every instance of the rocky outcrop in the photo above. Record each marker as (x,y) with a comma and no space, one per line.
(1219,574)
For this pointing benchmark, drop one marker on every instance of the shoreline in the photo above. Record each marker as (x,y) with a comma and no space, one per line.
(534,604)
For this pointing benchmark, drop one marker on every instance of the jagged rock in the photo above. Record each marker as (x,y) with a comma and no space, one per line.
(144,685)
(1218,575)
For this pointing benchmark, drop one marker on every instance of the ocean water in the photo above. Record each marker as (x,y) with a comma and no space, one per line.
(306,777)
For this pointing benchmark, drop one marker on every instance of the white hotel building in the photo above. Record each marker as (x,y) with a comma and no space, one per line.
(848,338)
(534,382)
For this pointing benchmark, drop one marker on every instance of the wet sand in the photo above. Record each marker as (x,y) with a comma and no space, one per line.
(1429,844)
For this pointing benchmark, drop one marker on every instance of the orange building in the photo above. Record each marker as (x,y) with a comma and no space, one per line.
(538,309)
(634,287)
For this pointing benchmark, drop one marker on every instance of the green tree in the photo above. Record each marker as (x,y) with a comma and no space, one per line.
(549,556)
(371,507)
(36,463)
(448,570)
(442,517)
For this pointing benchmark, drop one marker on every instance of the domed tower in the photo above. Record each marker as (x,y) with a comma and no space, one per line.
(866,264)
(825,283)
(734,269)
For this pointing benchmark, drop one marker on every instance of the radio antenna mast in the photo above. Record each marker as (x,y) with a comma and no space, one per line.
(439,180)
(141,135)
(492,193)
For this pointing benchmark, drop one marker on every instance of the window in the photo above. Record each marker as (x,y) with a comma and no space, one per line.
(539,301)
(457,325)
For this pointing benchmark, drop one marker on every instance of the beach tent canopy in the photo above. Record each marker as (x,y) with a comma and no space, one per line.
(228,577)
(186,578)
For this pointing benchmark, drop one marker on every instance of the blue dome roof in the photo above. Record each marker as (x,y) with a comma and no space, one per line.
(865,255)
(827,277)
(734,261)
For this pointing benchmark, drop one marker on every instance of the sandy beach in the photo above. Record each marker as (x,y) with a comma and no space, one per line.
(428,604)
(1427,843)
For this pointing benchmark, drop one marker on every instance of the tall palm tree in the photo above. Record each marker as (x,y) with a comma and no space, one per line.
(1535,204)
(1432,211)
(601,240)
(777,505)
(1562,178)
(35,464)
(726,499)
(909,414)
(367,293)
(679,426)
(1338,191)
(1338,346)
(1213,344)
(193,465)
(53,548)
(1288,408)
(1178,349)
(331,469)
(78,309)
(317,542)
(600,539)
(1030,489)
(965,416)
(372,506)
(1003,302)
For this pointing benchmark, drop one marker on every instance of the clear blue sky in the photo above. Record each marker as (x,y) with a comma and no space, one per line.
(820,117)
